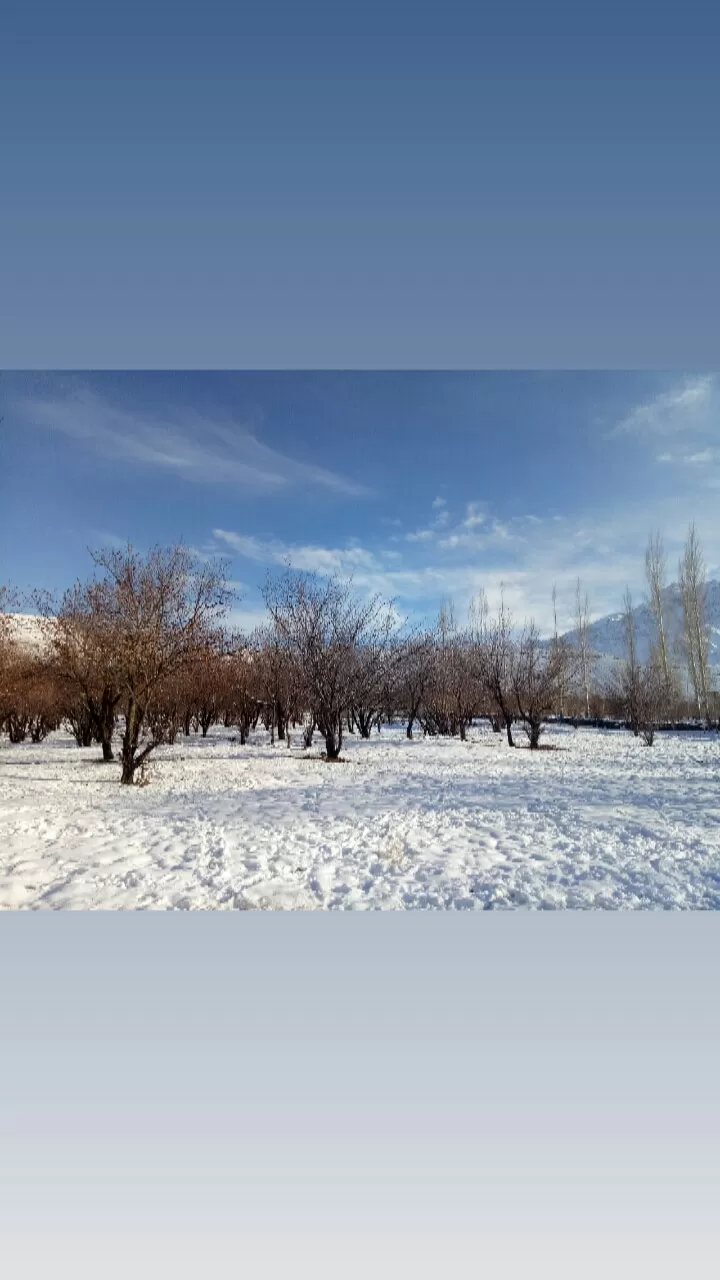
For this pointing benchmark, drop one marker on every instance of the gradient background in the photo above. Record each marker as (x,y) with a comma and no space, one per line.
(338,185)
(328,1095)
(345,186)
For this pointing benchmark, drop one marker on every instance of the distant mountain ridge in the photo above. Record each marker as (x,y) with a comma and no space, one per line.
(607,638)
(606,635)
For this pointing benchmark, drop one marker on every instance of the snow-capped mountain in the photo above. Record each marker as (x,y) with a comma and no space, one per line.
(27,630)
(607,636)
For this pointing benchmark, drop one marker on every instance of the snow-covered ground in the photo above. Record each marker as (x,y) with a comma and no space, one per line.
(602,822)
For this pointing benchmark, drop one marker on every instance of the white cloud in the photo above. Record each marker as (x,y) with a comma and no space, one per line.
(100,538)
(309,559)
(368,570)
(439,502)
(475,514)
(682,408)
(490,534)
(196,447)
(527,554)
(703,457)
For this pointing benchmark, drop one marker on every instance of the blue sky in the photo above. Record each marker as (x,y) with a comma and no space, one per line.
(423,486)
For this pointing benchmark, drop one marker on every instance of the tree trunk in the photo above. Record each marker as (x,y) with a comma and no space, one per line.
(281,720)
(364,721)
(131,737)
(508,730)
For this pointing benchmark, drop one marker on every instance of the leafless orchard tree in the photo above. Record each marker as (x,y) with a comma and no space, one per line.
(414,676)
(494,661)
(80,640)
(276,668)
(538,672)
(639,687)
(451,689)
(324,624)
(376,667)
(157,610)
(30,702)
(651,697)
(245,682)
(691,577)
(204,679)
(6,649)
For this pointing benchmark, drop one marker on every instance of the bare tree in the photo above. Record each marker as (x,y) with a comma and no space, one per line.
(376,666)
(245,685)
(582,628)
(656,575)
(556,637)
(630,672)
(537,674)
(324,625)
(81,643)
(30,699)
(203,680)
(173,699)
(494,660)
(650,697)
(158,610)
(6,649)
(275,666)
(414,678)
(451,689)
(695,628)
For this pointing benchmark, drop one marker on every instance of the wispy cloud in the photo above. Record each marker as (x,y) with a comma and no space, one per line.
(438,522)
(701,458)
(373,571)
(475,515)
(523,554)
(704,457)
(196,447)
(682,408)
(101,538)
(308,558)
(480,533)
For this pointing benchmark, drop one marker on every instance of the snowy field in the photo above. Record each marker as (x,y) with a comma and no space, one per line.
(601,822)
